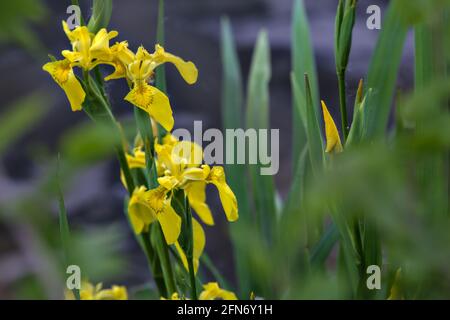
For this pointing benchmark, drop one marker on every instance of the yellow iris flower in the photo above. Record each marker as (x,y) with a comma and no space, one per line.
(212,291)
(145,96)
(88,50)
(148,206)
(90,292)
(331,132)
(180,166)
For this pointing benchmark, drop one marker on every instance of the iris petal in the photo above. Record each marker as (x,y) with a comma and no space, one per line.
(154,102)
(62,73)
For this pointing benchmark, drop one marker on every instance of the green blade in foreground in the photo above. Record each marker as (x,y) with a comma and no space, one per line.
(302,62)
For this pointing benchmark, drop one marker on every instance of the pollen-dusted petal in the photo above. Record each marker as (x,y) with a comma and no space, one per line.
(331,132)
(170,223)
(197,200)
(154,102)
(62,73)
(227,197)
(187,69)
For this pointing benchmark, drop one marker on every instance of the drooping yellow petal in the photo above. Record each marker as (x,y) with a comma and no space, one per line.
(62,73)
(331,132)
(170,223)
(187,69)
(154,102)
(140,210)
(197,200)
(227,197)
(199,238)
(212,291)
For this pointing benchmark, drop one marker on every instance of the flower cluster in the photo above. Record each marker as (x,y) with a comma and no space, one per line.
(90,50)
(179,164)
(179,167)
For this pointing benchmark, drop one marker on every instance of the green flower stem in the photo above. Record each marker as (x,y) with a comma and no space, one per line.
(343,104)
(163,254)
(146,131)
(190,252)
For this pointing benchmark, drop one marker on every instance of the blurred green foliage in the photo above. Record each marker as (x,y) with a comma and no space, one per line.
(383,201)
(16,20)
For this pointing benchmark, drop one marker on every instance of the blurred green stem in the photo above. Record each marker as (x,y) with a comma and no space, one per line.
(343,104)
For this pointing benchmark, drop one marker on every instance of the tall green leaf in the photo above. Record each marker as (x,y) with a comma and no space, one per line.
(383,70)
(310,122)
(302,62)
(257,117)
(64,229)
(232,111)
(101,14)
